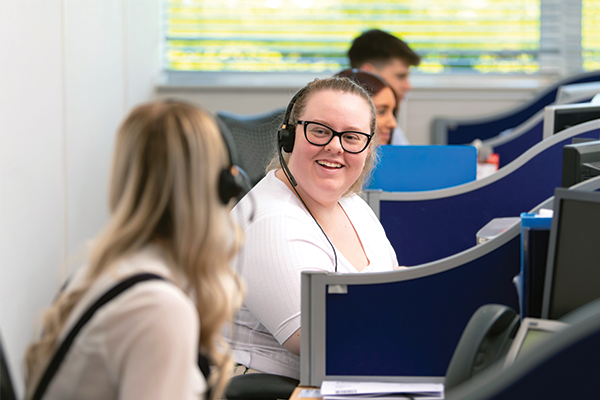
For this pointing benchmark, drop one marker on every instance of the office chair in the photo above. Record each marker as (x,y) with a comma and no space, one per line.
(7,391)
(485,340)
(260,387)
(255,137)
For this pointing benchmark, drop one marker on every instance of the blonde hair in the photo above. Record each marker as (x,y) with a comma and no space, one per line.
(165,173)
(342,85)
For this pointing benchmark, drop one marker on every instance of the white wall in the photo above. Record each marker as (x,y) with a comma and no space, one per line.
(69,71)
(32,181)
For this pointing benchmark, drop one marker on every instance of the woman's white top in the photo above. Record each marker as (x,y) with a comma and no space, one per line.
(280,242)
(143,344)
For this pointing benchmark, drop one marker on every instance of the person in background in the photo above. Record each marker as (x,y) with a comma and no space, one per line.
(386,55)
(309,216)
(383,97)
(166,218)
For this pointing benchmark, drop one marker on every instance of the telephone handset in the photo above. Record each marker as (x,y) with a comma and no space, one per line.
(485,340)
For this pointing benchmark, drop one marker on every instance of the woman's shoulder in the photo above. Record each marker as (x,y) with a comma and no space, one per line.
(269,198)
(163,293)
(163,296)
(358,204)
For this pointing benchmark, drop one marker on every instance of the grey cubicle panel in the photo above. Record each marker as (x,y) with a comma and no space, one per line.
(431,225)
(401,325)
(404,325)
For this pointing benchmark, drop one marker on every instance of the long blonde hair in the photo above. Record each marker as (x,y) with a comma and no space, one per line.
(167,160)
(342,85)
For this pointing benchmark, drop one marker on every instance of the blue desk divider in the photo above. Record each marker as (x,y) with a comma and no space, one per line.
(401,325)
(461,131)
(510,145)
(416,168)
(513,145)
(427,226)
(404,325)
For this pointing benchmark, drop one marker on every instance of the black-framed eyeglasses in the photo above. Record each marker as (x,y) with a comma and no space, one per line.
(320,135)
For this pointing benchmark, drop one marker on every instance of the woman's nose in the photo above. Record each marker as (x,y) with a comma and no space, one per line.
(335,145)
(392,123)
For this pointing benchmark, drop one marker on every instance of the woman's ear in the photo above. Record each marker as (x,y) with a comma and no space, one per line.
(368,67)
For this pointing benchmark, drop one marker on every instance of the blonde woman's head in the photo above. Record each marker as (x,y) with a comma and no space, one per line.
(167,162)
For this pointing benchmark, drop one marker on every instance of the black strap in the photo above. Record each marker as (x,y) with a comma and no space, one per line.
(60,354)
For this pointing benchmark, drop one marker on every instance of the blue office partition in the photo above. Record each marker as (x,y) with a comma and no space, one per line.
(416,168)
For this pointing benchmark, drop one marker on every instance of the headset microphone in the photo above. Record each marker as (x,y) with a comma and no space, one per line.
(287,171)
(286,135)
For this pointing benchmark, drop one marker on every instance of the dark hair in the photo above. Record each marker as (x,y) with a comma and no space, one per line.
(377,46)
(371,82)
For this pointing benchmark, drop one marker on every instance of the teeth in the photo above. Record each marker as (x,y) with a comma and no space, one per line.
(330,165)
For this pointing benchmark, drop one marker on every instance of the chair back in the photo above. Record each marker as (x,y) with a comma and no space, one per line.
(255,138)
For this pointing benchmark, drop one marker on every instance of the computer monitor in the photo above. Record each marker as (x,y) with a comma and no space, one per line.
(577,92)
(573,269)
(581,161)
(560,117)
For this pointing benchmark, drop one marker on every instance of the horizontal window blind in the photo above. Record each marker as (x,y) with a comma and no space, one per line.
(590,34)
(501,36)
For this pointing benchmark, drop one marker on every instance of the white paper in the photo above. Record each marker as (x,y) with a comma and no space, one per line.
(309,393)
(341,388)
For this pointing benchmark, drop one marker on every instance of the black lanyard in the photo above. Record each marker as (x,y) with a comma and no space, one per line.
(60,354)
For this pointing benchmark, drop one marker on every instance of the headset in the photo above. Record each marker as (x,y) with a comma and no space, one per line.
(286,135)
(233,181)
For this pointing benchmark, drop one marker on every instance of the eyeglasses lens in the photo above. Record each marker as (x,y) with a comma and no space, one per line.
(321,135)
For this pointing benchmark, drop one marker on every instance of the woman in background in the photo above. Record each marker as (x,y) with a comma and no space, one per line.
(166,219)
(384,99)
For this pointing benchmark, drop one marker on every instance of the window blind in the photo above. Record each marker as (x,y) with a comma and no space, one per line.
(590,34)
(294,36)
(313,36)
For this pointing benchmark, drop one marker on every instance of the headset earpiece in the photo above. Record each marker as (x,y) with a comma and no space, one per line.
(232,181)
(286,135)
(231,184)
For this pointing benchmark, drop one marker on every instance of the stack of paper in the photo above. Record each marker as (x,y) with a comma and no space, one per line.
(336,390)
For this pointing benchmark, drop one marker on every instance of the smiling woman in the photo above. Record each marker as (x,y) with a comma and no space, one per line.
(308,217)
